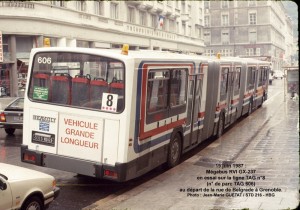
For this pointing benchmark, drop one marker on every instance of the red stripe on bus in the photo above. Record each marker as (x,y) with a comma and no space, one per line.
(201,114)
(247,95)
(221,106)
(156,131)
(235,101)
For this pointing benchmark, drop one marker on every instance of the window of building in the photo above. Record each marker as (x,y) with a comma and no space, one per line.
(252,18)
(249,51)
(251,3)
(225,52)
(224,4)
(143,18)
(225,21)
(189,9)
(190,31)
(154,20)
(209,52)
(206,37)
(225,37)
(172,25)
(252,36)
(165,24)
(131,15)
(183,28)
(114,10)
(236,18)
(183,7)
(81,43)
(99,7)
(198,31)
(58,3)
(257,51)
(81,6)
(206,4)
(206,21)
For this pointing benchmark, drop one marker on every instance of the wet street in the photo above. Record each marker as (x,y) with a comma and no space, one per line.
(260,152)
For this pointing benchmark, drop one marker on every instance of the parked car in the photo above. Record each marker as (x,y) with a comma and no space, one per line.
(25,189)
(278,74)
(11,118)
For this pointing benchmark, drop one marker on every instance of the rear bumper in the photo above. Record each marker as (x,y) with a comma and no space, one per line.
(11,125)
(74,165)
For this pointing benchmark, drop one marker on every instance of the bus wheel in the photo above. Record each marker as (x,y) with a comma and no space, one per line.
(221,125)
(10,131)
(174,151)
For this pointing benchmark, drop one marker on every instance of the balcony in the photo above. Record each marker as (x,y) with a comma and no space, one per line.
(146,5)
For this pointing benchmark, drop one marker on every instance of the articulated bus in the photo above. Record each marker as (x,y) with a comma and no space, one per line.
(116,115)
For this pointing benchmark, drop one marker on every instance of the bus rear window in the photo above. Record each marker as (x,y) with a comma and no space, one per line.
(78,80)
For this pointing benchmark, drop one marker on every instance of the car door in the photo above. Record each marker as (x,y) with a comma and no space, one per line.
(5,195)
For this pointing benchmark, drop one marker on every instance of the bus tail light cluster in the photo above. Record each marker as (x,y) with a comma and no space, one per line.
(29,158)
(111,174)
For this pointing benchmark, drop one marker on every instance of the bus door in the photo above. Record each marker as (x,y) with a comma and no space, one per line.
(230,93)
(192,110)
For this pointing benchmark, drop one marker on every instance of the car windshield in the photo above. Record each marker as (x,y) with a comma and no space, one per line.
(78,80)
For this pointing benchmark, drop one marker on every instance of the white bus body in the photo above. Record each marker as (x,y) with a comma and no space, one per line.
(105,114)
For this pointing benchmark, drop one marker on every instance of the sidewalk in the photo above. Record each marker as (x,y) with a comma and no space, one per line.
(260,156)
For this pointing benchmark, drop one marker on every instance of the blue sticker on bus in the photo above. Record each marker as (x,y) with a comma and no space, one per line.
(44,126)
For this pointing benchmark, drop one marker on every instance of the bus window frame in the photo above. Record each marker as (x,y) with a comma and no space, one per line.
(168,111)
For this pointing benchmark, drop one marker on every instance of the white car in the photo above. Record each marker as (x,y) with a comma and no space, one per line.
(278,74)
(25,189)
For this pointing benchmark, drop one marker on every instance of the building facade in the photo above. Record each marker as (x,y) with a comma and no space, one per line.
(156,25)
(246,28)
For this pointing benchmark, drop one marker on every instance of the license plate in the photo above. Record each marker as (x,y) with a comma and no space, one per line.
(18,119)
(43,138)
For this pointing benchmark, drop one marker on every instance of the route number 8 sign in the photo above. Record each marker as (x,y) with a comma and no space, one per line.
(109,102)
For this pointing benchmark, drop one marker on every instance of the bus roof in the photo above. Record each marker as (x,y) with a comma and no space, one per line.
(147,55)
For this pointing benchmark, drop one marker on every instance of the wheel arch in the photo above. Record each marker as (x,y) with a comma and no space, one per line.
(38,194)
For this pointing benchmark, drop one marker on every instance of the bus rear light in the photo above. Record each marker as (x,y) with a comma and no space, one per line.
(29,158)
(2,117)
(111,174)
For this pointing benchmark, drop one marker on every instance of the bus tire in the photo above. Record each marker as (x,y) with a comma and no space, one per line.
(174,152)
(221,123)
(10,131)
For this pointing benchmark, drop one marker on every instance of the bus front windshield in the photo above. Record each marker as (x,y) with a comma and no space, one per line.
(78,80)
